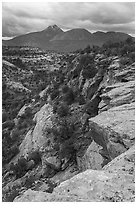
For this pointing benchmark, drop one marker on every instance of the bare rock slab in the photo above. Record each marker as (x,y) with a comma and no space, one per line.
(115,183)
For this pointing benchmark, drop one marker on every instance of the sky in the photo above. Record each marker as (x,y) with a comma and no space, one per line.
(24,17)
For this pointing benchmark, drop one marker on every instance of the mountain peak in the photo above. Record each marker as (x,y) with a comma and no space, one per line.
(53,27)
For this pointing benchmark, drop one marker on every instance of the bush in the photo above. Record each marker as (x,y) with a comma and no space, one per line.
(69,97)
(8,124)
(14,150)
(54,94)
(9,153)
(11,194)
(124,61)
(87,49)
(81,100)
(19,169)
(62,110)
(23,124)
(6,134)
(55,107)
(68,150)
(4,116)
(65,89)
(89,72)
(22,166)
(132,56)
(35,155)
(86,59)
(16,133)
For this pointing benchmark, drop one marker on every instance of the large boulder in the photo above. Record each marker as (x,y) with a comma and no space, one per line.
(40,139)
(115,183)
(113,133)
(91,159)
(37,138)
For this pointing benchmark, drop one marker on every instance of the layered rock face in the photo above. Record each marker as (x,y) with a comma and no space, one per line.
(113,128)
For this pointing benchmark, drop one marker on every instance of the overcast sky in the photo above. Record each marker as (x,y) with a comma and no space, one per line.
(21,18)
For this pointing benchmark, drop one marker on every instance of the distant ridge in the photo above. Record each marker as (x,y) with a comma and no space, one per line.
(54,38)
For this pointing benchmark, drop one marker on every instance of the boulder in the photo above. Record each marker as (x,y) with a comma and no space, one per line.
(43,120)
(44,93)
(119,120)
(27,144)
(40,139)
(37,138)
(91,159)
(23,110)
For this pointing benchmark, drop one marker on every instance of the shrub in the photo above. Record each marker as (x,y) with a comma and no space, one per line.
(68,150)
(6,134)
(124,61)
(4,116)
(14,150)
(65,130)
(85,60)
(65,88)
(81,100)
(11,194)
(16,133)
(8,124)
(62,110)
(35,155)
(69,97)
(54,94)
(87,49)
(19,169)
(132,56)
(55,107)
(9,153)
(89,72)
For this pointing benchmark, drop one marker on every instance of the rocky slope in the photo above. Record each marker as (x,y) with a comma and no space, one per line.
(80,124)
(115,183)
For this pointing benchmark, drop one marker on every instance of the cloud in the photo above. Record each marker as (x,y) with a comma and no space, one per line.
(21,18)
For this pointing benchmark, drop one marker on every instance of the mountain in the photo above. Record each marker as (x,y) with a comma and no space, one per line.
(74,34)
(100,38)
(53,38)
(35,39)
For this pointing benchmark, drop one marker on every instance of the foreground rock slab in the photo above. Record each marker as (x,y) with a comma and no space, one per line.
(115,183)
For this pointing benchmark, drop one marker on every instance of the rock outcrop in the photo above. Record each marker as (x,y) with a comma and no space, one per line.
(113,129)
(115,183)
(76,135)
